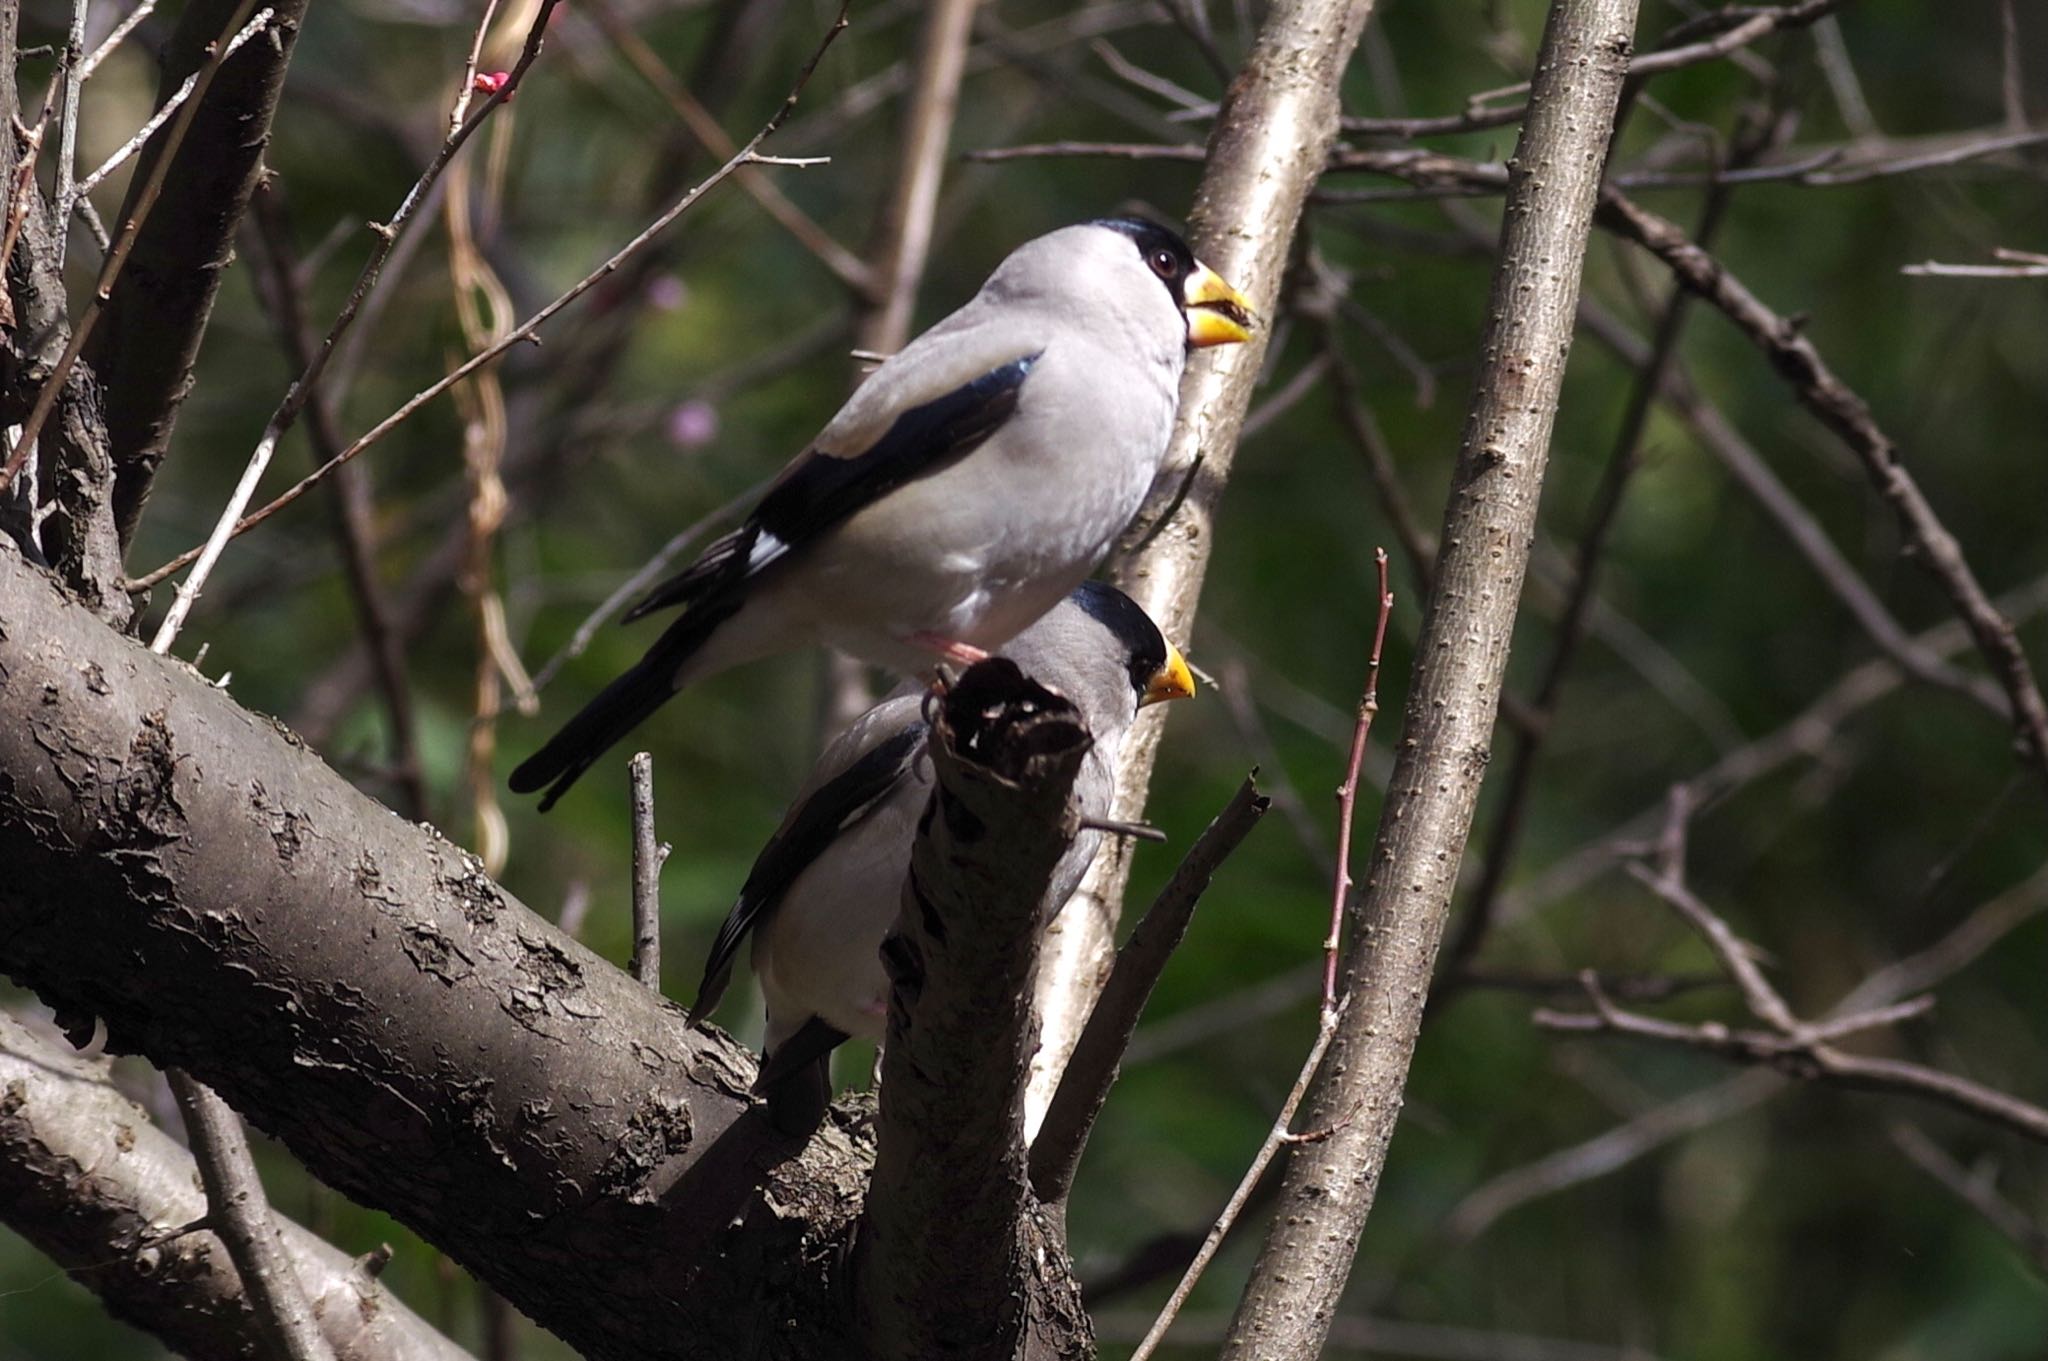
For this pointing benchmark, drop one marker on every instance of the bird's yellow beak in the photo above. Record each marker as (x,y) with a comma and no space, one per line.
(1171,681)
(1217,313)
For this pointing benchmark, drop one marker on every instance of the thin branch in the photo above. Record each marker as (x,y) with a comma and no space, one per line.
(1347,790)
(2012,84)
(653,570)
(1799,525)
(116,36)
(847,267)
(648,858)
(164,113)
(1615,1148)
(2020,264)
(353,514)
(1328,1018)
(1979,1192)
(1818,388)
(238,1212)
(302,389)
(525,332)
(1607,1151)
(1813,1058)
(110,272)
(1800,1048)
(1084,1084)
(1277,1137)
(67,128)
(1364,430)
(107,1194)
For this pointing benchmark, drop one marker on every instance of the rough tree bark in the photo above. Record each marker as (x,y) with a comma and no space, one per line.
(951,1221)
(1396,922)
(1266,150)
(356,986)
(91,1182)
(189,873)
(157,312)
(74,468)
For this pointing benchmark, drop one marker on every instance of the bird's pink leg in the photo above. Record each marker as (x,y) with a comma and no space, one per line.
(966,654)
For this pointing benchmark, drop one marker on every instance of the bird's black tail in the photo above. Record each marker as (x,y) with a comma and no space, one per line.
(619,707)
(617,710)
(796,1077)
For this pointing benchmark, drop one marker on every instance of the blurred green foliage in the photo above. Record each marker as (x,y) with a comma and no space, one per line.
(1791,1230)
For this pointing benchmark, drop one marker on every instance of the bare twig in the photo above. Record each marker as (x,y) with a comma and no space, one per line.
(237,1211)
(1607,1151)
(354,518)
(67,127)
(301,390)
(164,113)
(648,858)
(1818,388)
(847,267)
(1801,1048)
(524,332)
(116,36)
(1349,398)
(1347,791)
(1277,1138)
(1979,1192)
(1282,1134)
(1089,1073)
(117,258)
(2019,264)
(1799,525)
(649,572)
(1616,1148)
(2012,82)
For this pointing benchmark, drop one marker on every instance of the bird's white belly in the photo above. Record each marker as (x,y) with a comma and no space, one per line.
(818,953)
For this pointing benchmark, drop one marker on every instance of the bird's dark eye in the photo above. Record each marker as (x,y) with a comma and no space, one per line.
(1164,265)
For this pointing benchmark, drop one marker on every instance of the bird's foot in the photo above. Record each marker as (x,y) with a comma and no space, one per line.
(949,649)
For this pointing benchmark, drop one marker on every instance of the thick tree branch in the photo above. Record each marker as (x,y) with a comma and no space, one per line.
(239,1214)
(1454,691)
(356,986)
(157,312)
(1268,145)
(951,1228)
(87,1179)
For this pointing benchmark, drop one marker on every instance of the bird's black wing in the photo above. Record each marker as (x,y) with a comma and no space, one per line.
(821,489)
(836,805)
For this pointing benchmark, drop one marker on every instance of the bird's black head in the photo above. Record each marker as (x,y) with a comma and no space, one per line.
(1162,249)
(1144,645)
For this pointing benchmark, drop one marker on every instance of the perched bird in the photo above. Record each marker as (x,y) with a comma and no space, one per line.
(824,891)
(971,482)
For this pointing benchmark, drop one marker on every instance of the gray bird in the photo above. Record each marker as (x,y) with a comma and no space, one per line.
(971,482)
(824,891)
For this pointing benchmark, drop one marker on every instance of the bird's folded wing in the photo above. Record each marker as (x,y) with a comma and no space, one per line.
(824,485)
(833,806)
